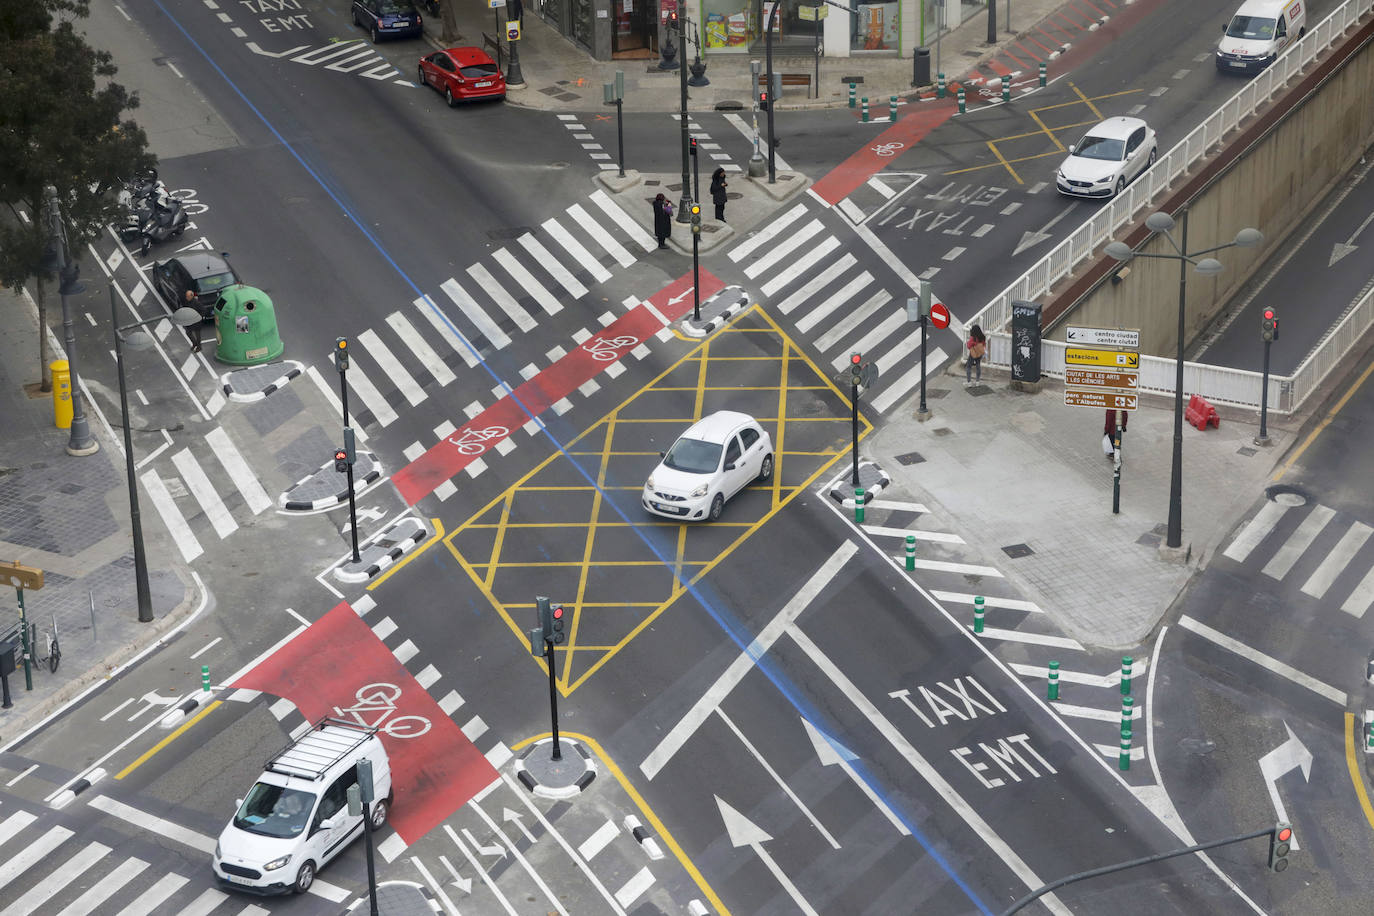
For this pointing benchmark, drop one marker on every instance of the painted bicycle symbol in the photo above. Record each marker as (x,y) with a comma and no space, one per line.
(888,149)
(189,203)
(603,349)
(373,708)
(474,441)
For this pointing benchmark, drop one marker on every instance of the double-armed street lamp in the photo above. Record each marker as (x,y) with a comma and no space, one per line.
(681,25)
(183,317)
(1163,223)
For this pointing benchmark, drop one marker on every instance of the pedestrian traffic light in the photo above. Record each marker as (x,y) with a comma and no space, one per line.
(672,19)
(341,354)
(340,460)
(856,368)
(763,100)
(557,617)
(1279,842)
(1269,325)
(693,144)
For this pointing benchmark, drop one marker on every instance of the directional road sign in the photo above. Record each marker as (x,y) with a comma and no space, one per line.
(1101,378)
(939,315)
(1102,400)
(1118,359)
(1121,338)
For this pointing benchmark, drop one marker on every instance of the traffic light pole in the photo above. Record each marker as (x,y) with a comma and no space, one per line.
(684,204)
(340,347)
(923,411)
(553,699)
(772,142)
(696,173)
(854,400)
(1263,438)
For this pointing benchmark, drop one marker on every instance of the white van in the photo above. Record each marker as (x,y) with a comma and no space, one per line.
(1258,31)
(295,818)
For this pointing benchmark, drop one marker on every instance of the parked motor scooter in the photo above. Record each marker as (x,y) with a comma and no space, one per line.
(167,220)
(137,197)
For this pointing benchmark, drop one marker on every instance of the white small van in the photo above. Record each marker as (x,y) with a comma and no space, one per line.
(295,818)
(1258,32)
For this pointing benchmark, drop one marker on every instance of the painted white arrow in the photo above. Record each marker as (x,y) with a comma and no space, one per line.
(1291,754)
(682,295)
(744,832)
(463,884)
(832,752)
(508,815)
(495,849)
(1341,249)
(1029,239)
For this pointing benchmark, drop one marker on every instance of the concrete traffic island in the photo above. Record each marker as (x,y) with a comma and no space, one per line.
(716,312)
(327,487)
(549,778)
(383,551)
(257,382)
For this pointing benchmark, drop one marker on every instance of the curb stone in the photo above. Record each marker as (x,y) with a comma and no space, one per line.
(715,323)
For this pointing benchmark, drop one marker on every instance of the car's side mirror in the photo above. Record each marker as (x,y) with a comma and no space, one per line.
(729,465)
(238,803)
(1223,28)
(663,454)
(1071,146)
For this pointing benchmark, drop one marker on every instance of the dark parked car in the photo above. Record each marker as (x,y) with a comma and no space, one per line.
(388,18)
(204,274)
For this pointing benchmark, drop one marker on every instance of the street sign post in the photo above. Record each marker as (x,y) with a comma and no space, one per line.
(1101,378)
(1103,400)
(1120,359)
(1119,338)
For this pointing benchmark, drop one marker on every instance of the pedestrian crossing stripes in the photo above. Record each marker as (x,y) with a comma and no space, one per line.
(1327,555)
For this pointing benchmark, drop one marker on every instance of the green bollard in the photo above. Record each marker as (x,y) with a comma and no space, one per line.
(859,505)
(205,677)
(1125,763)
(1127,707)
(977,613)
(864,105)
(892,108)
(910,552)
(940,87)
(1126,661)
(1006,89)
(853,93)
(962,106)
(1054,680)
(1044,71)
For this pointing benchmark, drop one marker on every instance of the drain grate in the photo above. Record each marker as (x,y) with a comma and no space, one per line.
(1016,551)
(943,431)
(1246,451)
(910,458)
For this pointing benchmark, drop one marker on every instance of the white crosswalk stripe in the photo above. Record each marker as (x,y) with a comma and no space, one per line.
(332,397)
(1297,544)
(527,281)
(786,277)
(470,309)
(601,236)
(767,234)
(238,470)
(555,268)
(623,220)
(895,320)
(392,367)
(154,896)
(816,284)
(892,391)
(1255,531)
(454,338)
(836,299)
(69,871)
(580,254)
(104,889)
(1361,598)
(1337,560)
(206,902)
(421,348)
(31,853)
(853,321)
(15,823)
(372,398)
(504,300)
(198,482)
(783,249)
(171,516)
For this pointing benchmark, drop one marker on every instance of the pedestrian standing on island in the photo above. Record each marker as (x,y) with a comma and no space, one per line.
(718,185)
(1109,430)
(663,220)
(977,345)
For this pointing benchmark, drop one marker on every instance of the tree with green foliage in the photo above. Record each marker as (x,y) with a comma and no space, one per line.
(61,125)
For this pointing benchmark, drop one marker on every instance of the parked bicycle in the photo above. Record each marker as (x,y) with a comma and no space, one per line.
(47,648)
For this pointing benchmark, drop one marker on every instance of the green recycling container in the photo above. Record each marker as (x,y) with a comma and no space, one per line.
(246,327)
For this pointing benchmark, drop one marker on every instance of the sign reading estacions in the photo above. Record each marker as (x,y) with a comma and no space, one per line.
(1118,359)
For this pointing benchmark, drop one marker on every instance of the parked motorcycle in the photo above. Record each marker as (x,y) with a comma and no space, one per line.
(137,197)
(166,220)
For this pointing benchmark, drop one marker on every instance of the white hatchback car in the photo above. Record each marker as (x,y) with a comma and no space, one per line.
(718,456)
(1109,157)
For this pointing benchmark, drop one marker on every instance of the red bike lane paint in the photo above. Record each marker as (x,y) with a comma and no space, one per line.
(324,671)
(912,128)
(480,434)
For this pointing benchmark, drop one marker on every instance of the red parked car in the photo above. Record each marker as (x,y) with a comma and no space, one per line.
(462,75)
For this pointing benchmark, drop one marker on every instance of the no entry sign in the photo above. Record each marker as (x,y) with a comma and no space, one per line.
(939,315)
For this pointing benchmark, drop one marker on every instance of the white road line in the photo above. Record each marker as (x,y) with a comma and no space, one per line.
(1296,545)
(623,220)
(106,888)
(833,301)
(633,889)
(1336,561)
(24,859)
(332,398)
(206,902)
(481,872)
(901,533)
(601,236)
(1011,604)
(885,328)
(1254,531)
(881,188)
(475,313)
(545,259)
(942,788)
(800,266)
(677,735)
(527,282)
(963,569)
(1361,598)
(520,858)
(852,321)
(434,885)
(1081,677)
(904,352)
(897,505)
(171,516)
(421,348)
(1282,669)
(504,300)
(893,390)
(153,897)
(238,470)
(204,491)
(816,284)
(392,367)
(767,233)
(598,841)
(15,823)
(1090,712)
(1032,639)
(783,248)
(580,255)
(372,398)
(154,824)
(777,778)
(441,324)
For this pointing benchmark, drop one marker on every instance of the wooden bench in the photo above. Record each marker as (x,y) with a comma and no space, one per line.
(495,45)
(788,79)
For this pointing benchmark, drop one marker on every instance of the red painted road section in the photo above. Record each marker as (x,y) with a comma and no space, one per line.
(323,669)
(911,129)
(480,434)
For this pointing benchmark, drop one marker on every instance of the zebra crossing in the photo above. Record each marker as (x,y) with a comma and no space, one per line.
(835,302)
(1018,631)
(1323,552)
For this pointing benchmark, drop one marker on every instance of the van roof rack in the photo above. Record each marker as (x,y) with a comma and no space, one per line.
(331,740)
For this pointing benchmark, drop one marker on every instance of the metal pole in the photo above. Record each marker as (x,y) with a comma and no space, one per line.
(80,441)
(1175,531)
(371,867)
(620,131)
(1116,473)
(24,639)
(992,22)
(145,599)
(818,52)
(773,103)
(696,275)
(1264,399)
(696,176)
(923,365)
(684,205)
(513,75)
(854,400)
(553,700)
(353,515)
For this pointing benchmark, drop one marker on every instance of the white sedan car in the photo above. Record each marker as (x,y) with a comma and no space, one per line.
(1109,157)
(714,459)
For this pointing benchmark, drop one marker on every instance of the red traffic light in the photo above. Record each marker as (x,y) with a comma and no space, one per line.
(1268,314)
(1285,834)
(558,612)
(855,359)
(340,455)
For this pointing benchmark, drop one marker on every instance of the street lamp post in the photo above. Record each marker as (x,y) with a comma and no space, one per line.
(80,442)
(1162,223)
(184,316)
(684,203)
(772,102)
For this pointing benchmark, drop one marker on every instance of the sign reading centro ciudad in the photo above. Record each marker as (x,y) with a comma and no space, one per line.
(1100,368)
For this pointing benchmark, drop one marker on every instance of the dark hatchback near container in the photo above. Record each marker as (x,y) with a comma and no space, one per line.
(388,18)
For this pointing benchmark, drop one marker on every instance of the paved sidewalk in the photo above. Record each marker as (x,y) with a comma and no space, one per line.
(70,517)
(560,76)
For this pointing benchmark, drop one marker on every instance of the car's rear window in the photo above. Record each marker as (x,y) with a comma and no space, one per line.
(479,71)
(396,6)
(214,282)
(693,456)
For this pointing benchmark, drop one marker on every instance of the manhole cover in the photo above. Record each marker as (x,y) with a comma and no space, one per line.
(1286,495)
(942,431)
(729,105)
(1246,451)
(910,458)
(1016,551)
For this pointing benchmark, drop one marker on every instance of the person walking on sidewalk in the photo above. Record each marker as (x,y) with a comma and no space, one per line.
(1109,430)
(663,220)
(718,185)
(977,345)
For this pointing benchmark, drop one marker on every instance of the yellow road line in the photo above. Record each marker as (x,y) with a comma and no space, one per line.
(649,815)
(166,741)
(998,153)
(1326,421)
(438,536)
(1087,101)
(1355,775)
